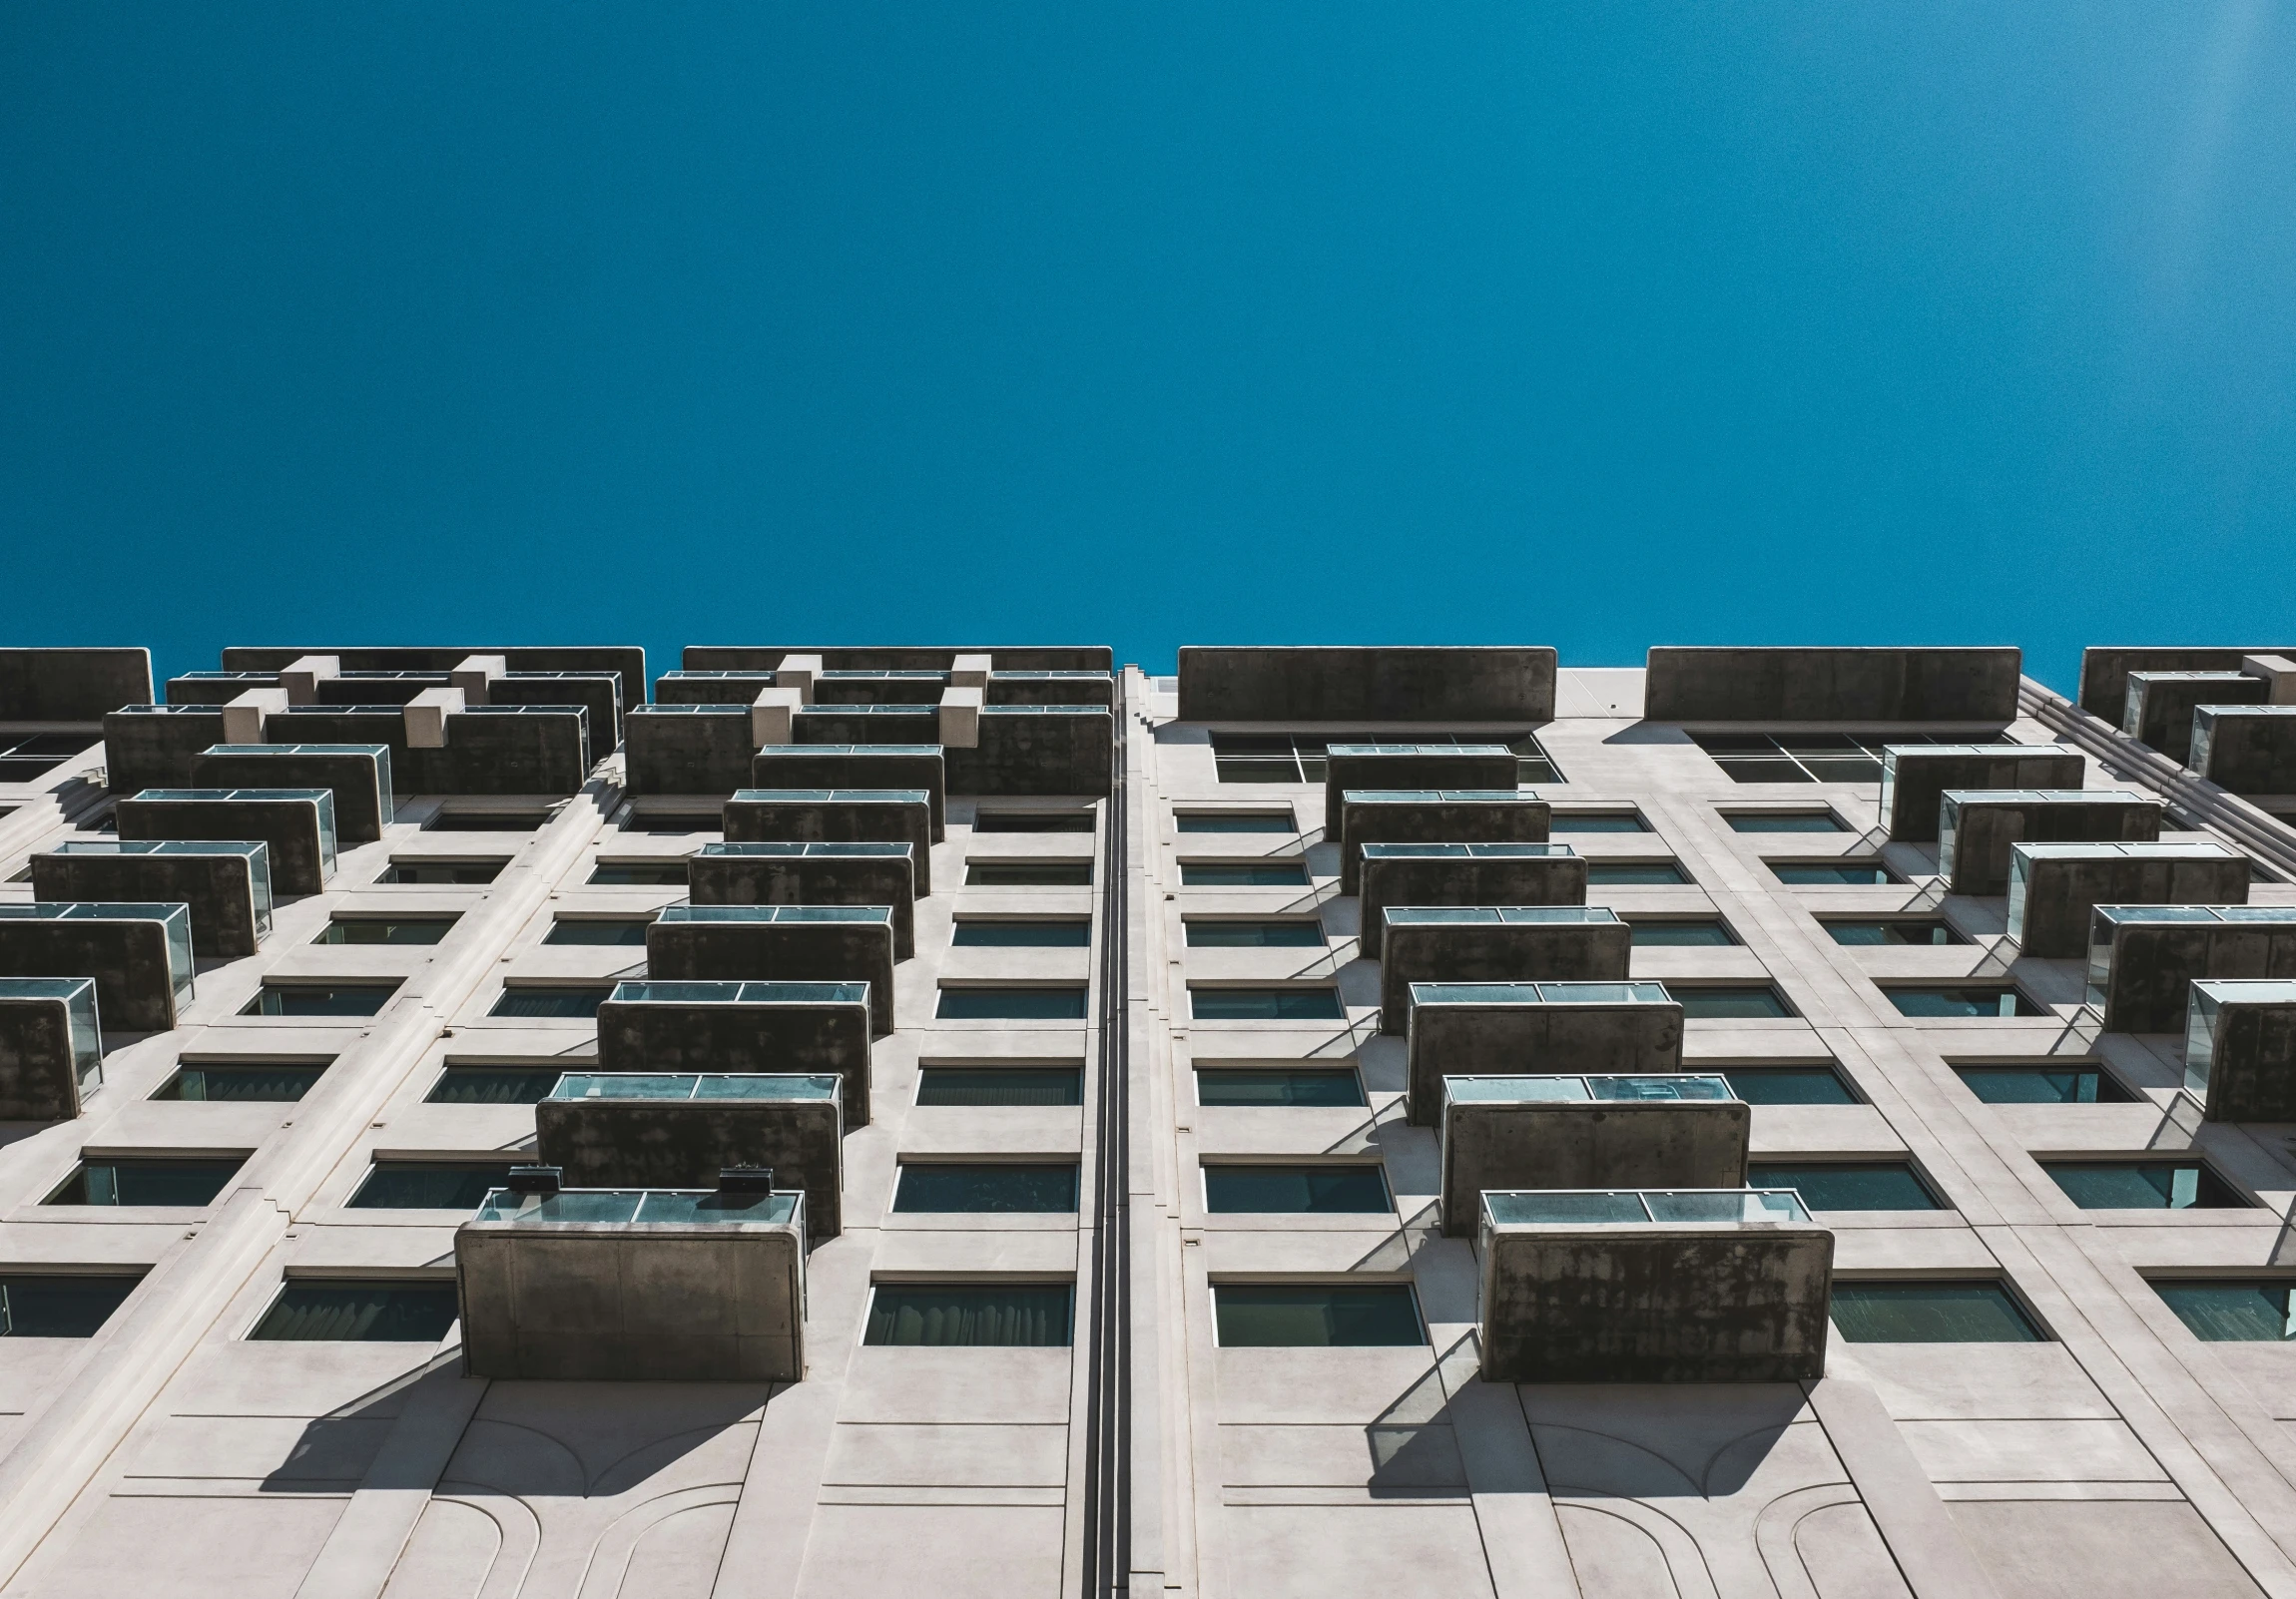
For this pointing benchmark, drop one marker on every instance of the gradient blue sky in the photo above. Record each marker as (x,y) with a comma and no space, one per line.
(1594,326)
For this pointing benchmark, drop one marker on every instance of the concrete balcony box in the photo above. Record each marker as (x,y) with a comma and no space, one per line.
(1434,816)
(786,943)
(226,885)
(686,749)
(881,686)
(1507,1029)
(218,688)
(571,666)
(680,1129)
(712,688)
(2143,959)
(2248,749)
(1410,765)
(70,684)
(1976,828)
(867,723)
(1039,749)
(297,827)
(2240,1050)
(1915,778)
(1657,1286)
(1571,1132)
(2104,671)
(1380,683)
(1803,683)
(359,774)
(836,815)
(810,875)
(140,955)
(436,748)
(2054,887)
(598,694)
(655,1284)
(1050,687)
(1465,874)
(2159,706)
(51,1047)
(854,766)
(154,745)
(1496,944)
(806,1028)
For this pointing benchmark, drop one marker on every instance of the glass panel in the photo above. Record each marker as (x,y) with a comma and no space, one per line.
(549,1003)
(1633,1089)
(1602,873)
(1892,931)
(60,1307)
(1963,1002)
(1597,822)
(624,1085)
(401,931)
(404,1186)
(1669,935)
(1258,771)
(2140,1185)
(1295,1190)
(1842,1186)
(280,1084)
(993,1188)
(971,1316)
(1784,821)
(312,999)
(564,932)
(1267,875)
(1254,935)
(1725,1003)
(169,1182)
(2230,1313)
(1315,1315)
(1000,1085)
(444,871)
(1033,822)
(1012,1004)
(1278,1085)
(1265,1004)
(1761,770)
(1028,874)
(1023,935)
(359,1312)
(493,1085)
(2035,1085)
(672,875)
(1566,1208)
(1931,1312)
(1680,1206)
(1789,1085)
(1828,874)
(1236,822)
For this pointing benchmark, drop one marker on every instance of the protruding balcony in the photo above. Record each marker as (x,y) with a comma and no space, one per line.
(441,743)
(811,875)
(857,766)
(1915,778)
(2143,959)
(1465,874)
(788,943)
(154,745)
(1434,816)
(2053,887)
(635,1285)
(226,885)
(140,955)
(864,726)
(1653,1285)
(712,688)
(51,1047)
(1496,944)
(2248,749)
(359,774)
(296,825)
(836,815)
(1586,1132)
(1501,1029)
(2159,706)
(1410,765)
(1036,751)
(700,749)
(1978,826)
(70,684)
(1050,687)
(914,686)
(806,1028)
(2240,1050)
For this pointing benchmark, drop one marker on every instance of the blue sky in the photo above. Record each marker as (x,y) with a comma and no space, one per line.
(1594,326)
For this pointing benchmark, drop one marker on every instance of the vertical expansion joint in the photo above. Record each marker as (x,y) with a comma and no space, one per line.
(1108,1411)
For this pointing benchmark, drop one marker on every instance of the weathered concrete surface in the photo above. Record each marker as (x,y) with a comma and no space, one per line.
(1713,683)
(658,1143)
(371,688)
(2053,887)
(535,749)
(1499,1039)
(1049,687)
(154,746)
(360,780)
(810,875)
(2159,705)
(1376,683)
(38,1070)
(1915,779)
(1587,1144)
(1467,879)
(2104,671)
(836,816)
(867,723)
(823,1036)
(1471,815)
(2250,750)
(739,688)
(72,685)
(798,765)
(302,844)
(1978,826)
(216,690)
(627,663)
(778,951)
(2150,966)
(2240,1050)
(598,694)
(899,657)
(682,750)
(1034,749)
(134,990)
(1496,950)
(915,686)
(226,917)
(1410,765)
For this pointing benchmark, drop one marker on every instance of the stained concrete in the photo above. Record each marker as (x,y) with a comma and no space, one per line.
(358,775)
(154,746)
(1465,874)
(626,662)
(1377,683)
(836,815)
(2249,749)
(47,1040)
(781,945)
(1978,826)
(2159,705)
(867,723)
(686,749)
(1489,1144)
(229,895)
(2240,1050)
(1493,945)
(1503,1034)
(1355,766)
(685,1143)
(764,1031)
(810,875)
(1792,684)
(1038,750)
(70,684)
(1916,777)
(711,687)
(1050,687)
(297,827)
(488,750)
(2053,887)
(135,988)
(798,765)
(1426,815)
(2105,670)
(899,657)
(2143,959)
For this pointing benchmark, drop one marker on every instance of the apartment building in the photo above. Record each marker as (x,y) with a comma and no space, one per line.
(979,1121)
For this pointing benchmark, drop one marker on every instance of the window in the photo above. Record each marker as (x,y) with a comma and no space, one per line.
(386,930)
(490,820)
(1962,1001)
(673,822)
(1597,822)
(147,1181)
(444,871)
(1893,931)
(585,930)
(2142,1185)
(1849,1185)
(1924,1312)
(55,1306)
(320,999)
(1012,1004)
(492,1085)
(1252,875)
(1812,756)
(1723,1004)
(1278,1085)
(1033,822)
(639,875)
(1824,873)
(1207,934)
(429,1185)
(981,1316)
(539,1001)
(1235,821)
(1315,1315)
(1789,1085)
(1000,1085)
(1297,758)
(1297,1191)
(358,1313)
(1601,873)
(1025,873)
(994,1188)
(23,759)
(1703,932)
(2233,1313)
(977,935)
(1265,1004)
(283,1083)
(2072,1083)
(1784,821)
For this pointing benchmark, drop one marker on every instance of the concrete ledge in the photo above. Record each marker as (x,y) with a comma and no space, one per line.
(1354,682)
(1695,683)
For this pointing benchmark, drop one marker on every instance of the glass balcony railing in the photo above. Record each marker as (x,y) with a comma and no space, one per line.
(1502,916)
(174,919)
(257,855)
(80,1017)
(1418,750)
(1464,852)
(1429,796)
(738,993)
(641,1206)
(1619,1089)
(1649,1207)
(690,1086)
(841,797)
(782,915)
(1559,993)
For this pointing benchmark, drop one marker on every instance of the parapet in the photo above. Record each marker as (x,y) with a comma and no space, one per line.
(1366,682)
(1698,683)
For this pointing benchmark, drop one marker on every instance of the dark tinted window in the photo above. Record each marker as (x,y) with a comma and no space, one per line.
(1805,873)
(1033,822)
(1597,822)
(1716,1002)
(320,999)
(1028,874)
(2227,1313)
(1946,1003)
(1278,1085)
(1000,1085)
(1665,934)
(992,1186)
(427,1186)
(493,1085)
(1301,1189)
(1613,874)
(566,931)
(2043,1085)
(1266,1005)
(1012,1004)
(1235,821)
(1315,1315)
(177,1183)
(2142,1185)
(359,1312)
(1893,931)
(549,1003)
(490,820)
(376,930)
(670,874)
(1250,875)
(972,1315)
(277,1084)
(35,1307)
(1023,935)
(1789,1085)
(442,872)
(1254,935)
(1849,1186)
(1931,1312)
(1784,821)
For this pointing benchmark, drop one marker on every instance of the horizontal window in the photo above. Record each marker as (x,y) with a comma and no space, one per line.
(429,1185)
(996,1188)
(490,820)
(1789,1085)
(1804,873)
(2257,1311)
(2142,1185)
(2043,1085)
(1254,934)
(1265,1004)
(1718,1003)
(358,1313)
(1250,875)
(24,757)
(1278,1085)
(672,822)
(1235,821)
(282,1084)
(1023,935)
(1028,874)
(1033,822)
(320,999)
(1000,1085)
(493,1085)
(1597,822)
(1924,1312)
(1295,1190)
(1706,933)
(983,1316)
(1892,931)
(1810,756)
(568,930)
(34,1305)
(1012,1004)
(1783,821)
(1315,1315)
(386,930)
(1299,757)
(1618,874)
(1849,1185)
(666,875)
(184,1183)
(1962,1001)
(442,872)
(539,1001)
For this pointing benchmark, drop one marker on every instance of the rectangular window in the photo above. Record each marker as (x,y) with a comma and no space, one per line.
(24,757)
(437,872)
(1299,757)
(2072,1083)
(1265,1004)
(1033,822)
(281,1084)
(429,1185)
(538,1001)
(981,1316)
(632,875)
(2233,1313)
(1248,874)
(1000,1085)
(320,999)
(1703,933)
(993,1187)
(1287,1086)
(1012,1004)
(2143,1186)
(1613,873)
(493,1085)
(187,1183)
(569,931)
(1788,1085)
(1784,821)
(1024,873)
(1295,1191)
(59,1307)
(386,930)
(358,1313)
(977,935)
(667,824)
(1828,874)
(490,820)
(1925,1312)
(1963,1002)
(1597,822)
(1280,821)
(1716,1003)
(1928,930)
(1849,1185)
(1209,934)
(1315,1315)
(1812,756)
